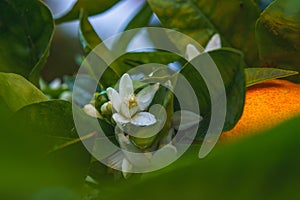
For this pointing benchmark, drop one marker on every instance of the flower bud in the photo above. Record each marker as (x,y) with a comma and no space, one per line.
(106,109)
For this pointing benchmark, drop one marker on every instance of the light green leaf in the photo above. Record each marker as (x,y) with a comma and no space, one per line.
(231,67)
(92,7)
(17,92)
(258,75)
(200,19)
(26,30)
(86,33)
(278,35)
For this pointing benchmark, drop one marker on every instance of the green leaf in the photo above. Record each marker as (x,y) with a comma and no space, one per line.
(86,33)
(26,30)
(17,92)
(231,67)
(92,7)
(258,75)
(200,19)
(52,121)
(242,170)
(131,60)
(140,20)
(278,35)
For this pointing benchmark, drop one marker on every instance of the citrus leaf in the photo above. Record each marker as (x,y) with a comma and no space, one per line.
(17,92)
(141,19)
(278,35)
(231,67)
(129,61)
(52,121)
(86,33)
(258,75)
(26,30)
(200,19)
(92,7)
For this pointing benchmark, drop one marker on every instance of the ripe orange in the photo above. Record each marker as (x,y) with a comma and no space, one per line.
(267,104)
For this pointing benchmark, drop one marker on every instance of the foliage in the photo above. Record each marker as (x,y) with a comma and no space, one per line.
(43,153)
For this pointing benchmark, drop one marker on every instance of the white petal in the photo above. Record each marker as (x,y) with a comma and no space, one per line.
(124,110)
(114,97)
(125,86)
(120,119)
(191,52)
(143,119)
(145,96)
(213,43)
(91,111)
(185,119)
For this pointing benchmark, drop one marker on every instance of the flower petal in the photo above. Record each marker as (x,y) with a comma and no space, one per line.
(145,97)
(191,52)
(214,43)
(120,119)
(91,111)
(115,98)
(125,86)
(143,119)
(124,110)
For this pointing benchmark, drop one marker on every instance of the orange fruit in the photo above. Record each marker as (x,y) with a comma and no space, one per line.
(267,104)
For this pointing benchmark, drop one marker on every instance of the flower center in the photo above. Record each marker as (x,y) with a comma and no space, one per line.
(132,102)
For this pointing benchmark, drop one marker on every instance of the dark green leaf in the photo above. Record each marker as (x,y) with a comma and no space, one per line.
(260,167)
(52,121)
(234,20)
(26,30)
(92,7)
(231,67)
(17,92)
(86,33)
(278,35)
(258,75)
(131,60)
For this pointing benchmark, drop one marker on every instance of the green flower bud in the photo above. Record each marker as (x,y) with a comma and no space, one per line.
(106,109)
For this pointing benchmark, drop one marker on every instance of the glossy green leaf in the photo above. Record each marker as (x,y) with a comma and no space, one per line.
(258,75)
(234,20)
(26,30)
(231,67)
(278,35)
(92,7)
(17,92)
(86,33)
(261,167)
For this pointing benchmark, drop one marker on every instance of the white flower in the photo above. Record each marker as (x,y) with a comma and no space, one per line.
(91,111)
(213,44)
(128,106)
